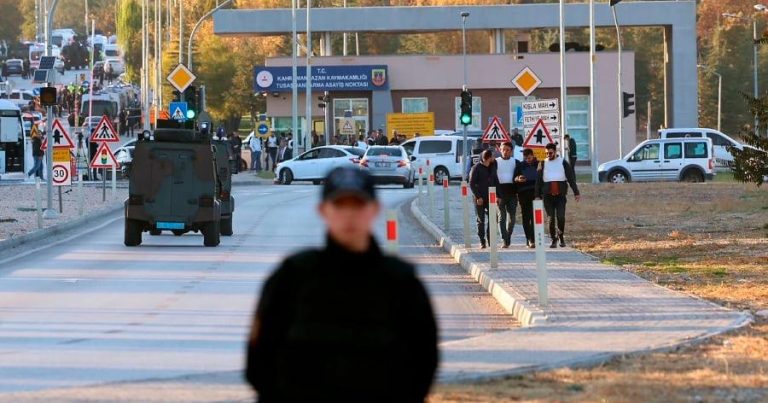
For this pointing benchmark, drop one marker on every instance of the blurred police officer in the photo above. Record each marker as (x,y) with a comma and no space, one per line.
(344,323)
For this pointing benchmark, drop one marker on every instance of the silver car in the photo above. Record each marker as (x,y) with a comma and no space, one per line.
(389,164)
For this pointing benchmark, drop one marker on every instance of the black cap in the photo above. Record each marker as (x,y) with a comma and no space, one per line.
(348,181)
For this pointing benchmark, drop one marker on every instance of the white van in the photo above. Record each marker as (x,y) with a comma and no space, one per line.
(677,159)
(443,152)
(720,141)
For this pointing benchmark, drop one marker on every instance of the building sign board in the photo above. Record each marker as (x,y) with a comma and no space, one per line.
(324,78)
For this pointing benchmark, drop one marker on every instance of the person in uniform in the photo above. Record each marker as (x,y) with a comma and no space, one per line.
(344,323)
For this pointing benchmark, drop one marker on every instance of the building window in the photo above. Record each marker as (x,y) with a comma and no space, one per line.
(577,124)
(415,105)
(356,108)
(477,114)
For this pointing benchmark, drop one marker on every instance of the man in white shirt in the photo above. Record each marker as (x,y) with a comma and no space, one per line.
(554,176)
(271,150)
(361,144)
(255,146)
(506,192)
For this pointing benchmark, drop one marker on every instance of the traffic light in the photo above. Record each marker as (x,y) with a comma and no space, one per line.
(628,103)
(324,99)
(48,96)
(176,96)
(466,108)
(190,97)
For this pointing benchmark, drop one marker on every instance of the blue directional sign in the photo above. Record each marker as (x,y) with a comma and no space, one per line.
(519,114)
(263,129)
(178,111)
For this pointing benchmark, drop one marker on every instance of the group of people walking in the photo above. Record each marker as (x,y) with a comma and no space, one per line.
(273,149)
(520,183)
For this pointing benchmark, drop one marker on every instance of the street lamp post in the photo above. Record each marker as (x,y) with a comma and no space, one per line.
(197,26)
(465,152)
(719,92)
(49,212)
(294,73)
(760,8)
(621,97)
(308,90)
(592,95)
(563,83)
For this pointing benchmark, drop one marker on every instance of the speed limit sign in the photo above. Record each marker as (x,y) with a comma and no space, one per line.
(61,175)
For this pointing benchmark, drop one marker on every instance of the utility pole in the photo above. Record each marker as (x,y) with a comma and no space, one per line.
(563,83)
(592,95)
(49,213)
(621,95)
(308,93)
(465,151)
(294,68)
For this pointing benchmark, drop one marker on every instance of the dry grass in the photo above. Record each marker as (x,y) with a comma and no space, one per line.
(709,240)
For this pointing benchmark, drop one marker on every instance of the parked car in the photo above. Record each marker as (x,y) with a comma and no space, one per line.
(444,154)
(682,159)
(13,66)
(389,164)
(315,164)
(720,141)
(21,98)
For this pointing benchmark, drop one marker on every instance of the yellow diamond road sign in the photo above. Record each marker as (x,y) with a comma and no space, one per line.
(181,77)
(526,81)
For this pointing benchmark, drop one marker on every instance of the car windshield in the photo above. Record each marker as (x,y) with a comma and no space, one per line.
(384,151)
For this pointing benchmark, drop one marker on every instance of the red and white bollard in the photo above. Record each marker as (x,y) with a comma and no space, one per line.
(431,195)
(392,235)
(421,181)
(446,205)
(492,229)
(541,252)
(465,213)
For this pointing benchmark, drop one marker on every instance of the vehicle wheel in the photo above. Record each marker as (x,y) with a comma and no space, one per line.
(286,176)
(440,173)
(618,177)
(155,232)
(226,226)
(211,235)
(178,232)
(132,233)
(693,176)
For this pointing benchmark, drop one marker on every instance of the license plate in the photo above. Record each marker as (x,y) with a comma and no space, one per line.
(170,225)
(382,165)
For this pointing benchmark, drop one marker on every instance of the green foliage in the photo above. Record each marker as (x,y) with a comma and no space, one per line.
(129,38)
(751,164)
(10,29)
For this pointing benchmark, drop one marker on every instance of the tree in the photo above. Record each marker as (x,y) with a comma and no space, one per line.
(750,164)
(10,27)
(129,26)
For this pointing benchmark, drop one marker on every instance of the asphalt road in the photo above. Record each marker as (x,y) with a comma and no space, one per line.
(88,311)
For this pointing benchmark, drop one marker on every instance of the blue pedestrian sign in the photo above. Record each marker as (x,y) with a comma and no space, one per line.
(519,114)
(263,129)
(178,111)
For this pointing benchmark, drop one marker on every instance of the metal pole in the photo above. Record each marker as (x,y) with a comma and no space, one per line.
(159,53)
(145,62)
(592,95)
(648,122)
(305,134)
(754,62)
(195,28)
(563,83)
(621,97)
(38,203)
(719,99)
(49,213)
(294,74)
(446,205)
(465,151)
(61,203)
(465,213)
(181,30)
(346,39)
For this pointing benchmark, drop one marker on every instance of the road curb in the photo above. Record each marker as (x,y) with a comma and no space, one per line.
(525,313)
(8,244)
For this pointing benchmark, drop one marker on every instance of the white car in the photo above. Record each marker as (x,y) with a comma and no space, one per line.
(681,159)
(315,164)
(118,67)
(720,141)
(21,97)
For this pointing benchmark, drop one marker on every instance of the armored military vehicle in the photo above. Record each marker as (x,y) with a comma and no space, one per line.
(173,186)
(224,186)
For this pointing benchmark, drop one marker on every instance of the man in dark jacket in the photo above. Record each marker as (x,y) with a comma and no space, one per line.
(571,149)
(525,177)
(345,323)
(554,176)
(483,176)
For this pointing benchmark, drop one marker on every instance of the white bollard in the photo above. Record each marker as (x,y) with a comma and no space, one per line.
(541,252)
(38,203)
(465,213)
(446,205)
(431,195)
(392,235)
(492,231)
(421,186)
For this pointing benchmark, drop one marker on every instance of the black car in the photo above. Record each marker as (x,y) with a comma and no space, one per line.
(13,66)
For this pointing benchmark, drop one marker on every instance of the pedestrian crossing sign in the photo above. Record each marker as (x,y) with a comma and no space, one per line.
(495,132)
(178,111)
(347,127)
(105,131)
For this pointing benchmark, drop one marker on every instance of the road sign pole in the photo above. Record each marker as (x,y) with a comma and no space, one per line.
(114,182)
(430,194)
(80,181)
(541,254)
(103,184)
(49,212)
(38,203)
(61,203)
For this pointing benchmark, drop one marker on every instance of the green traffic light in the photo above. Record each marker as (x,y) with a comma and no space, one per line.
(466,119)
(190,114)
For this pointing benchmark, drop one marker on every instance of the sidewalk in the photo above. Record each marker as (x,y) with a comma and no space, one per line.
(595,311)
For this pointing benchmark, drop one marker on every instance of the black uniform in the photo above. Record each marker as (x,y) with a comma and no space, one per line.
(338,326)
(480,179)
